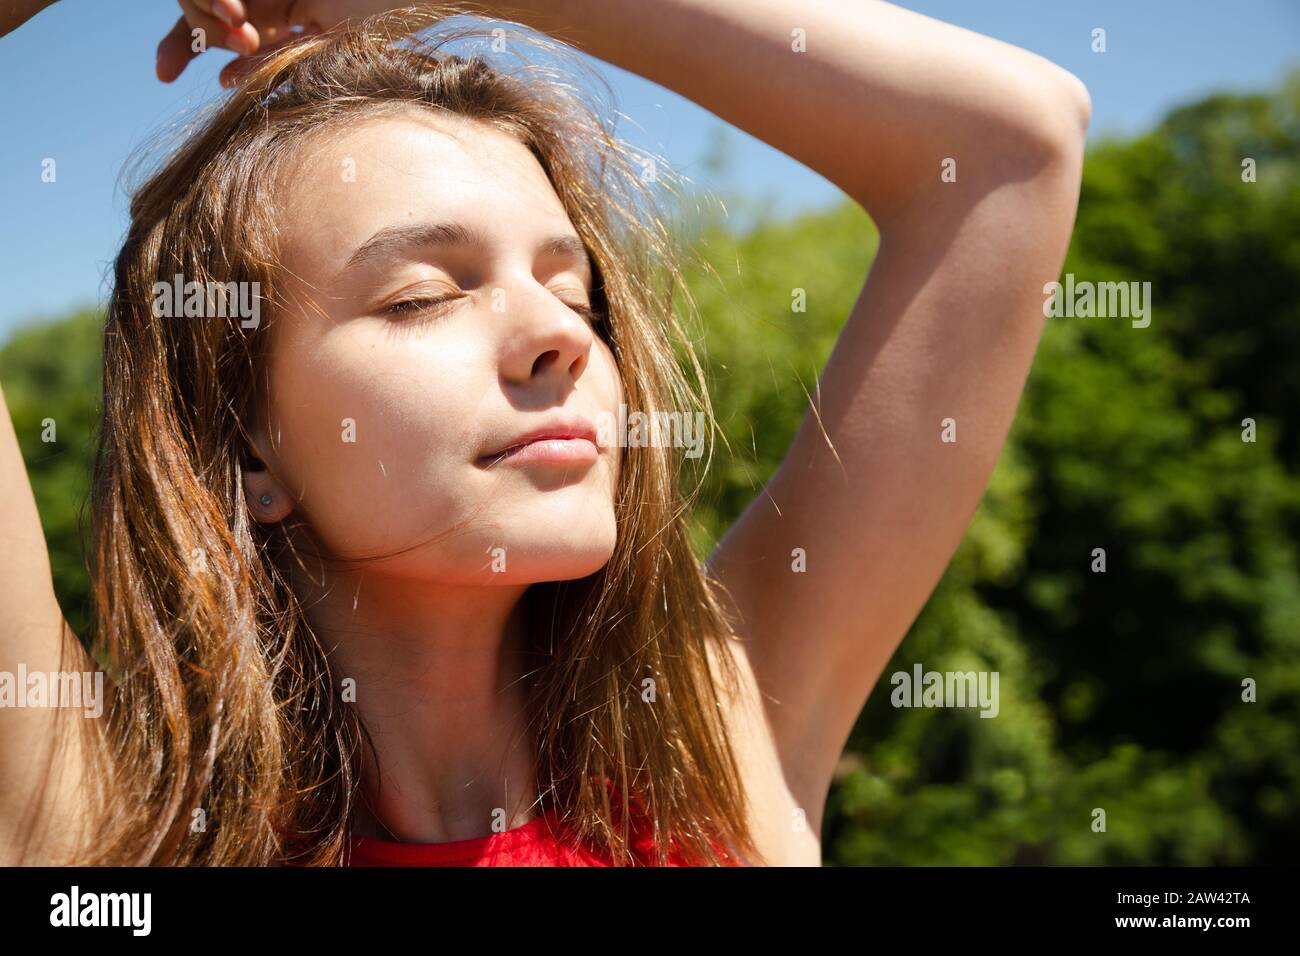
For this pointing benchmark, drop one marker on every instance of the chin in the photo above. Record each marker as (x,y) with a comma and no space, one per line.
(545,552)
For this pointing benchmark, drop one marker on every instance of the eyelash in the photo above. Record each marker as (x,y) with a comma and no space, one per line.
(407,306)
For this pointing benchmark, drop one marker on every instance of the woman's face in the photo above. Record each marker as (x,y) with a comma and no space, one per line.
(386,410)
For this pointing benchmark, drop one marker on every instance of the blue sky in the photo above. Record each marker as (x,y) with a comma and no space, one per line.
(77,84)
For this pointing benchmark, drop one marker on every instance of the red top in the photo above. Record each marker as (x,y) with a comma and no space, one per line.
(542,841)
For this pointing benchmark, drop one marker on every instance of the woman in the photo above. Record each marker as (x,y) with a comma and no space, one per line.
(369,584)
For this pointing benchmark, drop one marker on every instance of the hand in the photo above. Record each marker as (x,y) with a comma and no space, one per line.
(249,27)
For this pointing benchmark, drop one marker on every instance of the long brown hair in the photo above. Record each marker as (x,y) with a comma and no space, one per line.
(225,740)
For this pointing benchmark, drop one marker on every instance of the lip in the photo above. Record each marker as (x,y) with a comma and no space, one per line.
(566,440)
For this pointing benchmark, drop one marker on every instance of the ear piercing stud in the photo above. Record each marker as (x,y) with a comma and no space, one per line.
(265,499)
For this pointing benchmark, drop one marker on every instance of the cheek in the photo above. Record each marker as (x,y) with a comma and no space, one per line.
(374,436)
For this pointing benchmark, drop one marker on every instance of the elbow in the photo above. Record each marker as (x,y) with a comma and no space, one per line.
(1061,117)
(1033,123)
(1040,134)
(1076,105)
(1024,130)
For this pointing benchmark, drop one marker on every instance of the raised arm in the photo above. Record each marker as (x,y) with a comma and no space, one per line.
(40,756)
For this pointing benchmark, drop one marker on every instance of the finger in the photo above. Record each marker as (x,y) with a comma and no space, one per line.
(178,48)
(235,9)
(174,52)
(181,45)
(229,12)
(242,39)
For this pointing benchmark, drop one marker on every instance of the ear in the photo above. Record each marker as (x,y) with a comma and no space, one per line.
(268,500)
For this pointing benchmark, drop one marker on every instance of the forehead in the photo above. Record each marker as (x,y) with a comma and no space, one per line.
(410,166)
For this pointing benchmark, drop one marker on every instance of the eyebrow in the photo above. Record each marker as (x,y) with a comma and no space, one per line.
(392,241)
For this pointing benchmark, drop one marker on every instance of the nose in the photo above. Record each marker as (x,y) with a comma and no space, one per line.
(542,338)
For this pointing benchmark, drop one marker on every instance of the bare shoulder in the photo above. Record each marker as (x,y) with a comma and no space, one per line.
(785,814)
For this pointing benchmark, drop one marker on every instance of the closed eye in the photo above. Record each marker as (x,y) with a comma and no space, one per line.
(419,304)
(408,306)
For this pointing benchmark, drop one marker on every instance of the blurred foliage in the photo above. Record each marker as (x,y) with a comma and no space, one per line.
(1119,690)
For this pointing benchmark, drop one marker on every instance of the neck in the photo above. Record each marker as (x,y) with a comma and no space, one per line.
(440,680)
